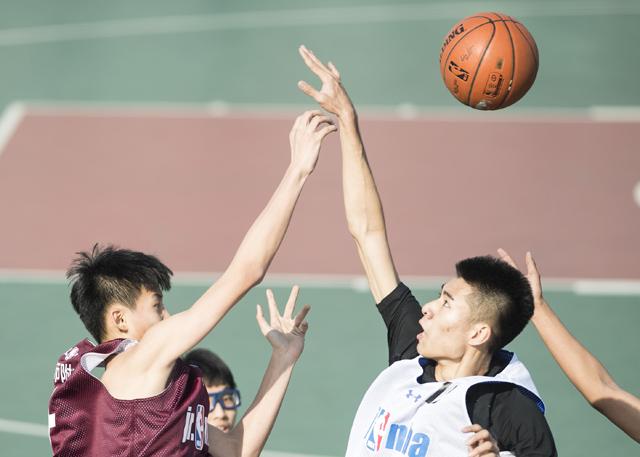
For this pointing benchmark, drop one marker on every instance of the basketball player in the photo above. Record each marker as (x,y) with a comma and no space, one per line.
(585,371)
(224,397)
(457,377)
(148,402)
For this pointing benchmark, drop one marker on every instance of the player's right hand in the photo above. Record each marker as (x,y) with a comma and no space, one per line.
(481,443)
(332,96)
(305,139)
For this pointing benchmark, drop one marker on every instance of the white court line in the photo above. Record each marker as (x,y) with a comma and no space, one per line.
(406,111)
(23,428)
(11,118)
(358,283)
(303,18)
(42,431)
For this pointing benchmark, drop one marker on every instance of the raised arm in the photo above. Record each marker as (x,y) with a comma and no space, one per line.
(586,372)
(365,217)
(167,340)
(286,335)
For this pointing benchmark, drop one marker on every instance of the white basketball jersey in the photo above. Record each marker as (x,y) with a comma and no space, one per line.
(398,416)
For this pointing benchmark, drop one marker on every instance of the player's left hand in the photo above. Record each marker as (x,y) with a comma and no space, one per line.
(533,276)
(285,332)
(331,96)
(481,444)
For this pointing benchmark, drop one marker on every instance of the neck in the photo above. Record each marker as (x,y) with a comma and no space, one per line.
(472,363)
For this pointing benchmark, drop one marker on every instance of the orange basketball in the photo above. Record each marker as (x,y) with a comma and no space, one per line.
(488,61)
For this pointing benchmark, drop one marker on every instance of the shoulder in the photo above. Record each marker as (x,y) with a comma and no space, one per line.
(400,301)
(513,416)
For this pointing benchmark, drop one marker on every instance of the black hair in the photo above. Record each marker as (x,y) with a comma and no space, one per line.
(502,297)
(214,370)
(107,275)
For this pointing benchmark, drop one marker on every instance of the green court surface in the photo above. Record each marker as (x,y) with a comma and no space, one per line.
(346,348)
(245,52)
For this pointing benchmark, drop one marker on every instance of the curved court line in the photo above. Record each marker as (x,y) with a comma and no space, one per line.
(301,18)
(9,122)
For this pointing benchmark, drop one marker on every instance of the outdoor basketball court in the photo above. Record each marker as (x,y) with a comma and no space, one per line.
(164,128)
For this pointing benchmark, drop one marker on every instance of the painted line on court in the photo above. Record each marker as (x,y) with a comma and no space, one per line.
(9,122)
(358,283)
(302,18)
(42,431)
(392,113)
(23,428)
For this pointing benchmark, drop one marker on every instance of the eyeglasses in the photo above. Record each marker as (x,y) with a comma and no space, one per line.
(228,399)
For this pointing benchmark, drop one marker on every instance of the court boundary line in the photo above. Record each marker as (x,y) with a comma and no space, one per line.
(367,14)
(10,120)
(358,283)
(400,112)
(15,427)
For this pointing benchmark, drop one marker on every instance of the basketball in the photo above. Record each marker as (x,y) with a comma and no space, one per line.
(488,61)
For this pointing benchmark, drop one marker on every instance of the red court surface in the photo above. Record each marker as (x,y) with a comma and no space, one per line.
(186,186)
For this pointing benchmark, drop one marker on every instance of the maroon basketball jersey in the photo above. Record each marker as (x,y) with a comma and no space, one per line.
(85,420)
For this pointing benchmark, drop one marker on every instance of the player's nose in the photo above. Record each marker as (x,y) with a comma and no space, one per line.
(427,310)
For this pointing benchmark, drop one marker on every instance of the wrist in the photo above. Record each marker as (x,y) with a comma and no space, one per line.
(347,115)
(284,357)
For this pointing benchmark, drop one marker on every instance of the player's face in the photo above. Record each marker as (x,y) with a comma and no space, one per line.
(446,322)
(149,311)
(219,417)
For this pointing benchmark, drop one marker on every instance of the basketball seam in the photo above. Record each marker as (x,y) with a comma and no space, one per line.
(531,46)
(475,74)
(460,39)
(513,60)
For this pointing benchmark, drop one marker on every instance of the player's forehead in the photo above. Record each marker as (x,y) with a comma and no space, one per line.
(457,287)
(216,388)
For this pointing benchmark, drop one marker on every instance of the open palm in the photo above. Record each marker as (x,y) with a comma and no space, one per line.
(285,332)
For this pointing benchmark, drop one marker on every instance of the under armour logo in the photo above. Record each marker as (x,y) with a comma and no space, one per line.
(415,397)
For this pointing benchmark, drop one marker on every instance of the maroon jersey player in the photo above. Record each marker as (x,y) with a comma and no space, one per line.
(147,402)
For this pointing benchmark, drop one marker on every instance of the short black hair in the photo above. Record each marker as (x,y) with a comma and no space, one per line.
(106,275)
(214,370)
(502,296)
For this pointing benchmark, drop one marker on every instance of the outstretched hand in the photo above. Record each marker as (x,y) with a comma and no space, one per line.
(533,275)
(285,332)
(331,96)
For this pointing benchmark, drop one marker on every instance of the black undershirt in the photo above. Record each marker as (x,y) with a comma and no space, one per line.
(513,418)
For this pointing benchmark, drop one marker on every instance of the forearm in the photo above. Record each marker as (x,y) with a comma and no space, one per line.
(256,424)
(587,373)
(582,368)
(364,212)
(262,240)
(361,199)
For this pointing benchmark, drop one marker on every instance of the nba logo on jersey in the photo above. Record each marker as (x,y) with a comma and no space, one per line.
(377,430)
(201,427)
(195,427)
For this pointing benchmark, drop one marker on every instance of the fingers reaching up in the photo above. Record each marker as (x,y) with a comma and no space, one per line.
(285,331)
(331,96)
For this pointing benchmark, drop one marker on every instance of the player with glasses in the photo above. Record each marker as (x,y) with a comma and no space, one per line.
(224,397)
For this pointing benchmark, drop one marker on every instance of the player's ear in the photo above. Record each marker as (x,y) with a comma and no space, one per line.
(480,334)
(117,318)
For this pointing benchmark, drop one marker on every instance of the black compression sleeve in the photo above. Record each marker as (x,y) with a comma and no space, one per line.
(401,312)
(513,419)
